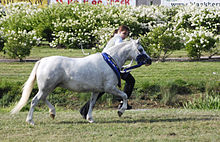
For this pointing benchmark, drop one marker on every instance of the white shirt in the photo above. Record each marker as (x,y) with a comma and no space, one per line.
(116,39)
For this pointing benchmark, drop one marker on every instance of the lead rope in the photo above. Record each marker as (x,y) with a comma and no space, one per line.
(83,50)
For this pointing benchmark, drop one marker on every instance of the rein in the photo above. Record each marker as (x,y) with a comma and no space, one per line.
(111,62)
(141,60)
(132,67)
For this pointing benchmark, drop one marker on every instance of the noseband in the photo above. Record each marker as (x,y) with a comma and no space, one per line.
(141,59)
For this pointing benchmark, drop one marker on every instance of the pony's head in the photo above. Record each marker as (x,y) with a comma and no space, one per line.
(139,54)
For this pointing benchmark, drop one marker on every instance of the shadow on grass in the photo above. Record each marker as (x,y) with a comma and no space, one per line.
(150,120)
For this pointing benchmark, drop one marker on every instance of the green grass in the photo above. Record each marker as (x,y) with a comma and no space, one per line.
(44,51)
(152,83)
(169,71)
(148,125)
(156,73)
(14,72)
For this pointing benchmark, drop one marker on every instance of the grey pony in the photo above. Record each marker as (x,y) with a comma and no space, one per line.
(87,74)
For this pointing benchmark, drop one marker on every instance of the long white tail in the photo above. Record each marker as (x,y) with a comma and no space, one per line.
(28,86)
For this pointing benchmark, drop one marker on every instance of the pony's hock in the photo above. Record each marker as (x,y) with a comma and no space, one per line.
(88,74)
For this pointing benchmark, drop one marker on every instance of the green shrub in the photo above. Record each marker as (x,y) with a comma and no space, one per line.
(9,92)
(207,101)
(212,88)
(19,44)
(168,97)
(1,44)
(200,41)
(168,94)
(161,41)
(149,91)
(179,87)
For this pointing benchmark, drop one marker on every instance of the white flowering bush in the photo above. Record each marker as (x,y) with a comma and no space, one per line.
(19,16)
(90,26)
(2,11)
(163,29)
(76,28)
(193,17)
(200,28)
(200,41)
(18,44)
(17,29)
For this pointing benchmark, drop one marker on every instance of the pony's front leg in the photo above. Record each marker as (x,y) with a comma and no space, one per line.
(92,103)
(124,106)
(123,95)
(125,103)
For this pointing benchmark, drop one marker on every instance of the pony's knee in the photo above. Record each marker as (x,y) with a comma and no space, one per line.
(124,96)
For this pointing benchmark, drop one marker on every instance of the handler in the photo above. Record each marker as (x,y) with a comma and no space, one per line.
(119,35)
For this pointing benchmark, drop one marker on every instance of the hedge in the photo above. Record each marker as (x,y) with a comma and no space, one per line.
(195,28)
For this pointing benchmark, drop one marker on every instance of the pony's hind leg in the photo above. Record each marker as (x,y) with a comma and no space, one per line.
(91,105)
(52,110)
(34,102)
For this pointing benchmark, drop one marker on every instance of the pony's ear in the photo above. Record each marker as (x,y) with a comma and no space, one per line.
(138,40)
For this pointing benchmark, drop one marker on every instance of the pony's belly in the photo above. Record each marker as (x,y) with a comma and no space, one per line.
(83,87)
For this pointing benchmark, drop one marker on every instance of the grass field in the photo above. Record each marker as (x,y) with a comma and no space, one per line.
(199,77)
(44,51)
(143,125)
(156,73)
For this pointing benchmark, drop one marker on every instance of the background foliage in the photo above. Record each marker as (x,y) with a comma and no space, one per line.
(76,25)
(163,30)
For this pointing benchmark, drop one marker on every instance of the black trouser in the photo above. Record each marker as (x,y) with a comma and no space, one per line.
(129,85)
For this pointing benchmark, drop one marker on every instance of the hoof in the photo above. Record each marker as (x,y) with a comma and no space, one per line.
(90,120)
(120,113)
(52,116)
(31,122)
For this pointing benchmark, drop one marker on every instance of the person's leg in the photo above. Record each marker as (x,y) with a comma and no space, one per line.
(84,110)
(129,86)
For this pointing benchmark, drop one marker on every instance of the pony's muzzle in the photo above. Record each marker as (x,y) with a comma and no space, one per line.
(148,61)
(144,59)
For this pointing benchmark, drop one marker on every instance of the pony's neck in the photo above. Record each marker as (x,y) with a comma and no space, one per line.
(120,53)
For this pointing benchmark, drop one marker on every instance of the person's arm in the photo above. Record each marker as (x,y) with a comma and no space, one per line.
(129,65)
